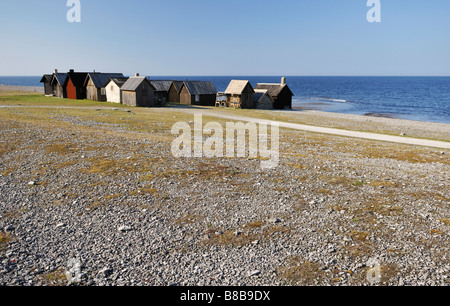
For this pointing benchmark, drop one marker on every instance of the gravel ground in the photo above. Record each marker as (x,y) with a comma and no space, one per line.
(100,188)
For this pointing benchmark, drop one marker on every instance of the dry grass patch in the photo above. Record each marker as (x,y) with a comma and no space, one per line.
(445,221)
(61,148)
(304,273)
(5,238)
(8,171)
(147,190)
(412,156)
(187,219)
(55,278)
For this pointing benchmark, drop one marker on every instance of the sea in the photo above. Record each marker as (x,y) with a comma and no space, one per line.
(413,98)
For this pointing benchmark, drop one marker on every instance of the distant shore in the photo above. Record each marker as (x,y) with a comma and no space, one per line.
(21,88)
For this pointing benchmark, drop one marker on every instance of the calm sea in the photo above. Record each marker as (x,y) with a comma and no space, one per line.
(415,98)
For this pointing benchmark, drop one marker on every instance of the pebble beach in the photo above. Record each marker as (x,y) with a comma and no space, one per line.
(98,186)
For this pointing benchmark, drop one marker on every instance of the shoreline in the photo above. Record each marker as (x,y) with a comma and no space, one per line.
(4,88)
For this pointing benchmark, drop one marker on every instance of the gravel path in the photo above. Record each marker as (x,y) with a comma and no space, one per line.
(333,131)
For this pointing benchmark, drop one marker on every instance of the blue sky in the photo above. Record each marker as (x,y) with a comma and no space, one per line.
(233,37)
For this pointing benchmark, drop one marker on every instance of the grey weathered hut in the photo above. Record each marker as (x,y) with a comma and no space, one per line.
(280,94)
(57,84)
(174,91)
(138,91)
(95,85)
(198,93)
(161,91)
(47,80)
(262,99)
(240,94)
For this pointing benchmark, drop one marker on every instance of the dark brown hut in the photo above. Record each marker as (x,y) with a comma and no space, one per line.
(280,94)
(174,91)
(47,80)
(198,93)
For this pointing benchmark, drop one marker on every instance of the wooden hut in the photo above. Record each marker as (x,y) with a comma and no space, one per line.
(112,88)
(161,91)
(95,85)
(174,91)
(239,94)
(138,91)
(280,94)
(74,85)
(47,80)
(262,99)
(57,84)
(198,93)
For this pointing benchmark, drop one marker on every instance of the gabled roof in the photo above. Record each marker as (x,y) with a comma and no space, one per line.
(101,79)
(60,78)
(161,85)
(273,89)
(118,81)
(134,82)
(177,85)
(47,78)
(77,78)
(237,87)
(260,93)
(200,87)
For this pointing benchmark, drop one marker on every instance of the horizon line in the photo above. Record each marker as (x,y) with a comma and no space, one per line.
(239,75)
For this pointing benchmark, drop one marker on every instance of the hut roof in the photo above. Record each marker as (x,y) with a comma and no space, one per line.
(59,77)
(177,85)
(134,82)
(200,87)
(237,87)
(118,81)
(101,79)
(161,85)
(260,93)
(77,78)
(46,78)
(273,89)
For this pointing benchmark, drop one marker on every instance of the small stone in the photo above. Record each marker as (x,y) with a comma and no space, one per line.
(275,220)
(124,228)
(253,273)
(32,183)
(9,228)
(60,225)
(105,272)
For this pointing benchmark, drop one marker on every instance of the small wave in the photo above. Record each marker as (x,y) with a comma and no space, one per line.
(330,99)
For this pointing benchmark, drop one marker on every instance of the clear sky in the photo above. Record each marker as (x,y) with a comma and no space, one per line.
(233,37)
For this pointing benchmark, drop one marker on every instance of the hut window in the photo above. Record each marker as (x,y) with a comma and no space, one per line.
(103,91)
(112,88)
(197,98)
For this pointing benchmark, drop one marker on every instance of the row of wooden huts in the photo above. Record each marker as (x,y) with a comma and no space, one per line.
(142,92)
